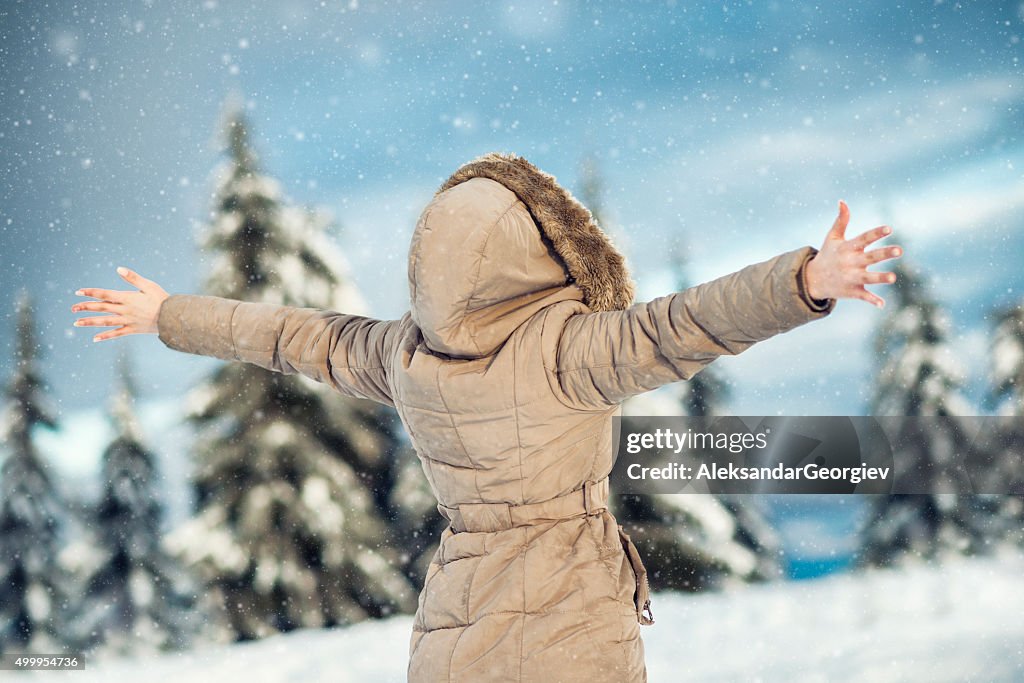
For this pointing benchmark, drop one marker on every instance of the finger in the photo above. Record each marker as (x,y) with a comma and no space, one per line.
(134,278)
(119,332)
(870,297)
(97,306)
(870,277)
(881,254)
(865,238)
(104,294)
(100,321)
(839,226)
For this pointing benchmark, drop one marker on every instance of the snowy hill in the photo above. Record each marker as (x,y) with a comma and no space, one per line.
(956,622)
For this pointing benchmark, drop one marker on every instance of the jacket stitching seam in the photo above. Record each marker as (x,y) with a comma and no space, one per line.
(231,332)
(638,363)
(445,462)
(522,498)
(367,368)
(619,553)
(555,548)
(309,363)
(455,645)
(451,419)
(391,331)
(479,267)
(602,556)
(515,418)
(415,256)
(707,333)
(536,613)
(561,395)
(522,628)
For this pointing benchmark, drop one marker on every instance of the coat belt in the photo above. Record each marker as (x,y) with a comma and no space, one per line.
(588,500)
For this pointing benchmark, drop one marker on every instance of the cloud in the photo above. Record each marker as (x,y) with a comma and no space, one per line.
(533,19)
(904,153)
(873,130)
(966,199)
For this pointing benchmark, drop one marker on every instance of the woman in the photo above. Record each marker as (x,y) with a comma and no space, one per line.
(520,343)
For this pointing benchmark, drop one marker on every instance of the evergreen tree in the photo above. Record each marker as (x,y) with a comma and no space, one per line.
(134,597)
(32,513)
(753,542)
(295,524)
(920,377)
(695,541)
(1005,471)
(689,541)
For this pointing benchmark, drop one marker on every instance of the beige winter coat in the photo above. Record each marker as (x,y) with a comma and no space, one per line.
(520,343)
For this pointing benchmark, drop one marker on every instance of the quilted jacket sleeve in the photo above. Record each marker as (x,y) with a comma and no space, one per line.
(605,357)
(345,351)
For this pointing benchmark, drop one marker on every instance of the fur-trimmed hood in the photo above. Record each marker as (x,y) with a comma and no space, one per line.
(589,256)
(499,241)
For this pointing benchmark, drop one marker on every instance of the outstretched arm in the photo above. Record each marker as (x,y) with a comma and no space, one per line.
(345,351)
(604,358)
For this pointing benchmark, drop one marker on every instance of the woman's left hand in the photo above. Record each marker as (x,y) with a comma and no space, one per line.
(839,269)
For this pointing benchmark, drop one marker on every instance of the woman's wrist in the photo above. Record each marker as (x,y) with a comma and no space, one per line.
(812,281)
(814,303)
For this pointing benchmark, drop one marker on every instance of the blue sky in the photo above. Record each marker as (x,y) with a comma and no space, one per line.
(737,126)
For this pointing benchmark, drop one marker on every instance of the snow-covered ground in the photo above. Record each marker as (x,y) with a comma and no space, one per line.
(961,621)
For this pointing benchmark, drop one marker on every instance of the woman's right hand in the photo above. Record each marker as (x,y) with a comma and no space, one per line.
(839,269)
(131,312)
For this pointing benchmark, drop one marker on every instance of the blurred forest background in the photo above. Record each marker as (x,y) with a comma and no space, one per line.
(151,500)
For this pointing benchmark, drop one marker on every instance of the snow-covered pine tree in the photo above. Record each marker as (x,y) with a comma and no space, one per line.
(134,597)
(688,541)
(294,525)
(706,395)
(1006,396)
(920,376)
(33,596)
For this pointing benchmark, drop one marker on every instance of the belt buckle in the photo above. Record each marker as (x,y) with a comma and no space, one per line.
(588,486)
